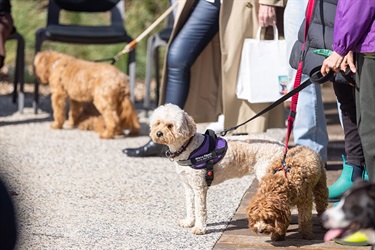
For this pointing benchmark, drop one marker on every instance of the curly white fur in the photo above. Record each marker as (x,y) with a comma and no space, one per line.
(171,126)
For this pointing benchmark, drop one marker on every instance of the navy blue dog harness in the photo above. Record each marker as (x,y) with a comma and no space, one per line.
(211,151)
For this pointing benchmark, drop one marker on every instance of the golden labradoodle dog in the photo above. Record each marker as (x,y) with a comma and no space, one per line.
(87,82)
(302,181)
(195,153)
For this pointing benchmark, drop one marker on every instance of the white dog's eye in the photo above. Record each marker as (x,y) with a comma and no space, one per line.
(170,126)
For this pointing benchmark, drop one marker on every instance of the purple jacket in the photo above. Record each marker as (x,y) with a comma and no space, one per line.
(354,26)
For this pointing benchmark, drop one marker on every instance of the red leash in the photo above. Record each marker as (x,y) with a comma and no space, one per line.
(297,82)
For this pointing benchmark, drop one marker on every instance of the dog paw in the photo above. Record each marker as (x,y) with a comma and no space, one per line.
(106,135)
(199,230)
(277,237)
(69,124)
(307,236)
(56,125)
(186,223)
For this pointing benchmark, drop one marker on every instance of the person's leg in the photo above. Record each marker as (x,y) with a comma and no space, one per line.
(366,110)
(197,32)
(310,127)
(6,27)
(354,162)
(353,146)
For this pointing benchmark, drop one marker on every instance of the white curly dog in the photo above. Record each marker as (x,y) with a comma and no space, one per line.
(200,160)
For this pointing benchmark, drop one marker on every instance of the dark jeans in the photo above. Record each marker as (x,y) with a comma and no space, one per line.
(366,110)
(201,26)
(353,146)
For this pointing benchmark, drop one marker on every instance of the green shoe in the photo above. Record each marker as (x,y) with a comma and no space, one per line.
(365,173)
(343,183)
(356,239)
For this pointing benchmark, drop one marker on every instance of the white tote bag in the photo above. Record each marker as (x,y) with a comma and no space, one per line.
(263,71)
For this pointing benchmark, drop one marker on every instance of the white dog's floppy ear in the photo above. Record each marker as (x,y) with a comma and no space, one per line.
(188,126)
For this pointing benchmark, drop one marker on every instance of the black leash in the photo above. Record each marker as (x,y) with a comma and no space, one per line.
(348,77)
(315,77)
(274,104)
(112,59)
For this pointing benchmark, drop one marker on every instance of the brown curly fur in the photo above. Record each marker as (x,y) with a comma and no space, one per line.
(269,210)
(83,82)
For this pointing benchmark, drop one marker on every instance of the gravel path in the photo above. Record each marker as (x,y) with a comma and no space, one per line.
(74,191)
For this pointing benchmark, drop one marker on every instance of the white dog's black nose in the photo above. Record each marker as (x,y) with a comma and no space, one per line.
(159,134)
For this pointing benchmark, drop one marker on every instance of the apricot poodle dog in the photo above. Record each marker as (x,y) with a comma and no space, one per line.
(82,82)
(302,180)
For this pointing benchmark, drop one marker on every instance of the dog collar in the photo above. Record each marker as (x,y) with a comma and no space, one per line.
(211,151)
(171,155)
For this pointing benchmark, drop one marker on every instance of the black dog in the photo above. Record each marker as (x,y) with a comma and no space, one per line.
(355,212)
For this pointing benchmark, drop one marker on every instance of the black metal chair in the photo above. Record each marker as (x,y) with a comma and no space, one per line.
(85,34)
(19,70)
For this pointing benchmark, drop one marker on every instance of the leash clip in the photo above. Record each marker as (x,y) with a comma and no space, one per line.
(282,167)
(168,154)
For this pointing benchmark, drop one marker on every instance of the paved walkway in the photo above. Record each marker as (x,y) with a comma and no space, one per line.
(238,236)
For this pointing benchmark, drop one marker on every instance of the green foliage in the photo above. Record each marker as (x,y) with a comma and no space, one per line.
(30,15)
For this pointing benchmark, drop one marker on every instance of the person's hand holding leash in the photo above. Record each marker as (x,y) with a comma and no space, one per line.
(348,62)
(267,15)
(333,62)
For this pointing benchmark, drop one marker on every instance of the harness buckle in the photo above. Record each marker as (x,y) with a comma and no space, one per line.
(209,172)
